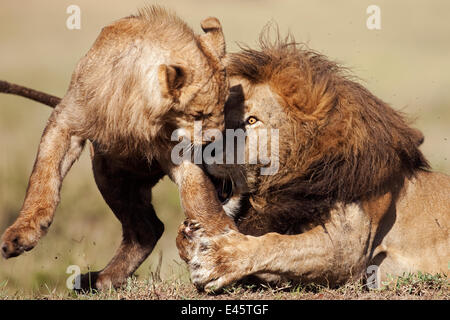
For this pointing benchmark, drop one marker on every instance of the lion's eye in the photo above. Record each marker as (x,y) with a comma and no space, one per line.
(251,120)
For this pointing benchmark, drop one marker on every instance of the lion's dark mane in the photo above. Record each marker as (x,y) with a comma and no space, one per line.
(349,146)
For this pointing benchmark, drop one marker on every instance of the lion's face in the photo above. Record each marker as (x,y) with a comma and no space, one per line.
(201,104)
(256,110)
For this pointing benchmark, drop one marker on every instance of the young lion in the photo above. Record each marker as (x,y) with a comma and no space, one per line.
(145,76)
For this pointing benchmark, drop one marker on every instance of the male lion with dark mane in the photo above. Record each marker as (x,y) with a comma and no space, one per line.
(352,190)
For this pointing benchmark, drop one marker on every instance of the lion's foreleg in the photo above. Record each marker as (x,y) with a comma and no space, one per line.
(330,254)
(306,257)
(218,261)
(129,196)
(199,198)
(57,152)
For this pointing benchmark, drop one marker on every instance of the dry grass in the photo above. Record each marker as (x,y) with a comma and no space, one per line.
(406,63)
(411,287)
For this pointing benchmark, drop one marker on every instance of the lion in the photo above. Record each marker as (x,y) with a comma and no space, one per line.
(352,191)
(145,76)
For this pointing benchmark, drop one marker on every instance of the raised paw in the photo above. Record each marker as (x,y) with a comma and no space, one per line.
(16,240)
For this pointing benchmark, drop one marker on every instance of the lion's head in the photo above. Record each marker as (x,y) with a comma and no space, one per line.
(146,76)
(337,141)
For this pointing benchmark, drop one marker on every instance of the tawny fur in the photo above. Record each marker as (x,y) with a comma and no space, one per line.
(353,188)
(145,76)
(334,124)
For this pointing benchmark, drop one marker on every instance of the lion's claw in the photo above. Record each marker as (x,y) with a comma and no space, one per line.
(189,227)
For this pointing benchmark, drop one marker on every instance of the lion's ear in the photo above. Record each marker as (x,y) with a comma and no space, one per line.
(213,41)
(418,136)
(171,79)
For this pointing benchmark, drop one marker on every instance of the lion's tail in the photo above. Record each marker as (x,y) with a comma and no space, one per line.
(35,95)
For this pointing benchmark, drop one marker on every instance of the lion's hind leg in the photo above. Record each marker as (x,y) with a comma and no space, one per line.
(129,197)
(58,150)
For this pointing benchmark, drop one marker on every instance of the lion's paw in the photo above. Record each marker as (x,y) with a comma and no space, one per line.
(214,261)
(18,239)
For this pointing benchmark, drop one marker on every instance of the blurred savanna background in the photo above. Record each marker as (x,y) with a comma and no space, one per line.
(406,63)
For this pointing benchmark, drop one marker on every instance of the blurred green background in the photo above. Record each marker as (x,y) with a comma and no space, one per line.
(406,63)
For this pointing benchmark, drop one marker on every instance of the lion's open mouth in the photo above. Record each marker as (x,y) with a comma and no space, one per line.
(224,188)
